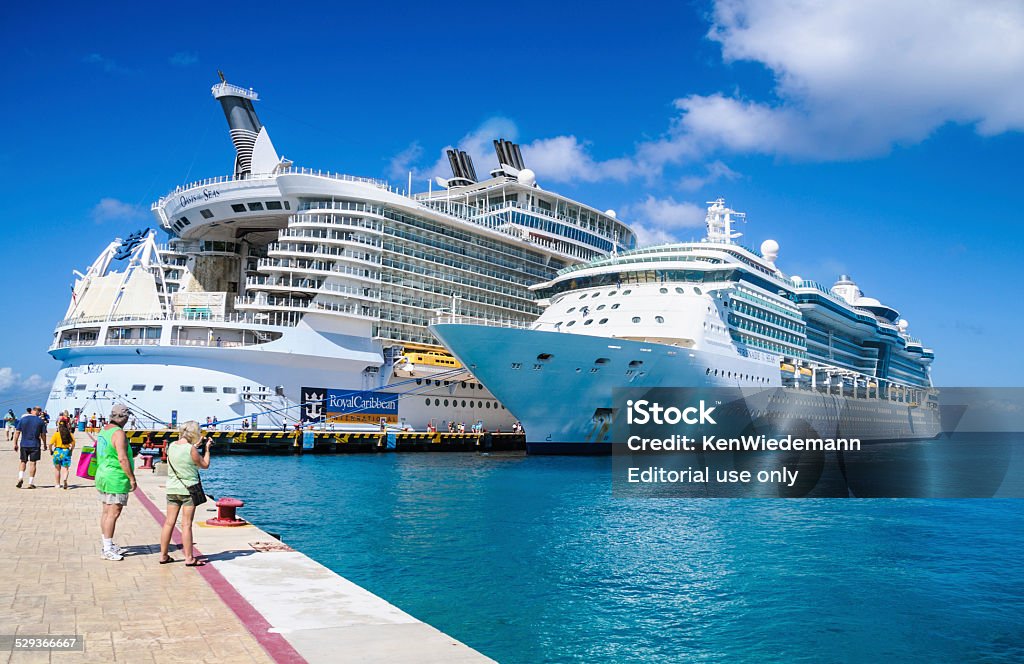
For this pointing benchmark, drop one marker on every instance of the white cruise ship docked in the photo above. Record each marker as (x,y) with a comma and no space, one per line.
(289,295)
(699,314)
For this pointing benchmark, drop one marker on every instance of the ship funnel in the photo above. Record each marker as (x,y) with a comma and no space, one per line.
(510,159)
(462,168)
(248,135)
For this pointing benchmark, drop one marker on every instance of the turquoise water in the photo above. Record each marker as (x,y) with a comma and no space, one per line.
(531,559)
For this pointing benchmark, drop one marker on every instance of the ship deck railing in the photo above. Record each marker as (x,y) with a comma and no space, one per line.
(157,318)
(460,319)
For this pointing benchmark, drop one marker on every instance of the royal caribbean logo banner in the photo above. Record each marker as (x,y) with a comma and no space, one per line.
(348,406)
(795,443)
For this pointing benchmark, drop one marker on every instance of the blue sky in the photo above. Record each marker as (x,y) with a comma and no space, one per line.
(870,139)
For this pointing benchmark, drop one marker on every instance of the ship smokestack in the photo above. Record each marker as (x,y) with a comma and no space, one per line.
(242,121)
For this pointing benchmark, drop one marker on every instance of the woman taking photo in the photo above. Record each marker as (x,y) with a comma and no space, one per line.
(62,444)
(183,464)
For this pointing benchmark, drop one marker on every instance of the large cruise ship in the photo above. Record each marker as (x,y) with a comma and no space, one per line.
(289,295)
(699,314)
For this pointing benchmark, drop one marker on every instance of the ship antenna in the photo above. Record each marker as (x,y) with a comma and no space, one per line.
(221,74)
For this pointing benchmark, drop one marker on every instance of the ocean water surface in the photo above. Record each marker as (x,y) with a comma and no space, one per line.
(531,559)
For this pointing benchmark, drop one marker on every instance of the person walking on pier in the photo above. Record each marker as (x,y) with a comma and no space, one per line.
(62,444)
(31,432)
(10,419)
(115,476)
(183,462)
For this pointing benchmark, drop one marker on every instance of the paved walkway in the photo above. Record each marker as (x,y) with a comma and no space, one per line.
(257,601)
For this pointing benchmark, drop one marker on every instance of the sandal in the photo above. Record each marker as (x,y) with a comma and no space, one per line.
(196,563)
(169,560)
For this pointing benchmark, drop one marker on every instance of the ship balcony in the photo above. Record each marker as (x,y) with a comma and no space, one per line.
(310,286)
(304,267)
(72,343)
(334,221)
(332,239)
(362,258)
(267,304)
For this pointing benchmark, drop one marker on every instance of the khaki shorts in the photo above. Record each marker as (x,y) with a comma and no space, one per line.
(176,499)
(114,498)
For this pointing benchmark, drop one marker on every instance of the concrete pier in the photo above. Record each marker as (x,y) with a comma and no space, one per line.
(256,601)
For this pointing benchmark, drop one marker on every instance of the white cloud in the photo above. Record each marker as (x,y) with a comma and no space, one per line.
(566,159)
(11,382)
(559,159)
(184,59)
(405,161)
(111,209)
(714,172)
(660,220)
(853,79)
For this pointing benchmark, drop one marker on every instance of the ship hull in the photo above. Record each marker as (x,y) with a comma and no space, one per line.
(560,386)
(164,384)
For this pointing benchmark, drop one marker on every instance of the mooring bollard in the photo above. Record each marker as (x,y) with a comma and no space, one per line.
(147,462)
(226,513)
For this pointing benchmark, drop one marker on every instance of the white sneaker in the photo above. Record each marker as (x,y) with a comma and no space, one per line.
(111,554)
(118,550)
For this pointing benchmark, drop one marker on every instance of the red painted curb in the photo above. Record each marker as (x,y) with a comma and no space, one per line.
(273,643)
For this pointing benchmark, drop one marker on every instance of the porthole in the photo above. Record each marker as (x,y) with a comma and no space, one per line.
(659,319)
(697,290)
(419,381)
(588,321)
(636,319)
(463,403)
(602,360)
(601,307)
(595,294)
(488,404)
(680,290)
(570,310)
(635,364)
(570,323)
(583,297)
(602,321)
(428,402)
(662,290)
(544,357)
(613,293)
(445,403)
(627,291)
(615,306)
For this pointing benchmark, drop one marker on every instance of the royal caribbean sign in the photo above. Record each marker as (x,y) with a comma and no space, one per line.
(348,406)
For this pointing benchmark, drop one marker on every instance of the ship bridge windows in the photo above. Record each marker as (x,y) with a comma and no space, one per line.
(238,207)
(274,205)
(255,206)
(229,390)
(209,389)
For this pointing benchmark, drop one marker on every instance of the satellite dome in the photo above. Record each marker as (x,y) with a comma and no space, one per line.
(796,280)
(770,250)
(903,325)
(527,177)
(610,213)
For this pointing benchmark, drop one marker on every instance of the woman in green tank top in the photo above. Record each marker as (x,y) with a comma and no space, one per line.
(183,464)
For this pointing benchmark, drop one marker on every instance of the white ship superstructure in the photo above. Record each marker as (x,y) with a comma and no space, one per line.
(698,314)
(280,285)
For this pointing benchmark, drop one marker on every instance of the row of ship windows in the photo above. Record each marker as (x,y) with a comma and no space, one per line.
(735,374)
(455,403)
(679,289)
(464,384)
(207,389)
(589,321)
(255,206)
